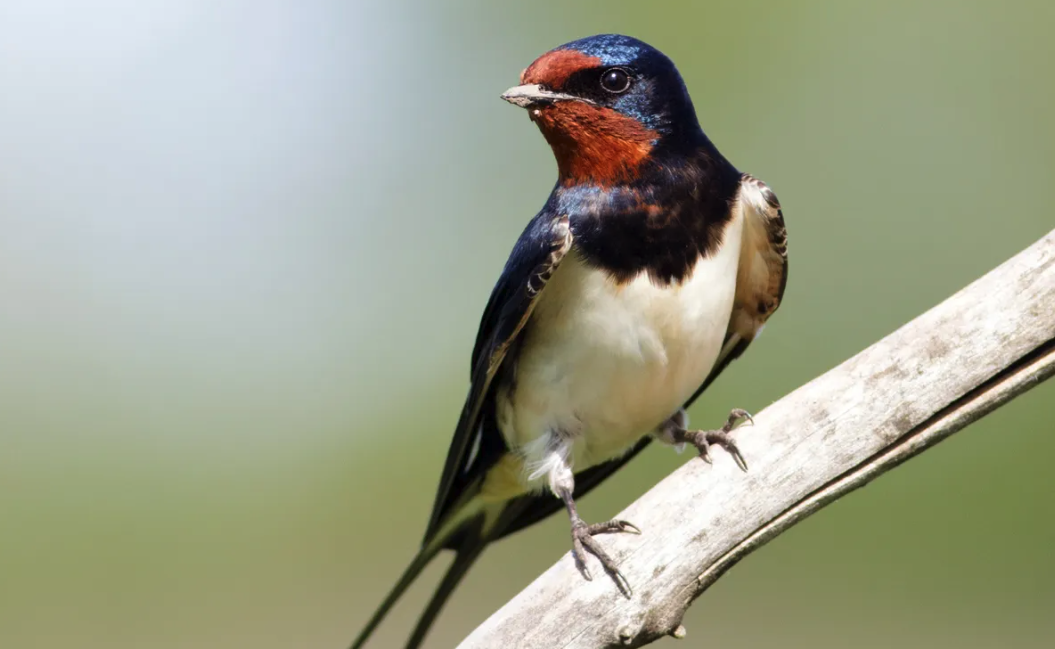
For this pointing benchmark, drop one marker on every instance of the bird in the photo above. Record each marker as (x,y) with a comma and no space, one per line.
(653,264)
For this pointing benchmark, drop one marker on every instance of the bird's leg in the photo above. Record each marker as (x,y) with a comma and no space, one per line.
(562,483)
(673,431)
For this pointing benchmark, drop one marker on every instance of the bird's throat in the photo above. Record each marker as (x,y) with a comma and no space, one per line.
(593,144)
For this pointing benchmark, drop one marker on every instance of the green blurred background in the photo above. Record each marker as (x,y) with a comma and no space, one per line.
(246,245)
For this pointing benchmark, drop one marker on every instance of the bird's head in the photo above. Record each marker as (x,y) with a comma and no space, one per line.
(606,104)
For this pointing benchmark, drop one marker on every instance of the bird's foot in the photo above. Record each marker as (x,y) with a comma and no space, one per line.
(704,439)
(582,541)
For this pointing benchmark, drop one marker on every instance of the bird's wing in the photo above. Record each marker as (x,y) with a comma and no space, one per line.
(760,283)
(535,257)
(762,275)
(477,442)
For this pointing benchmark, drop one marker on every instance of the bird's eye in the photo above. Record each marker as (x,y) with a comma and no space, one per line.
(615,80)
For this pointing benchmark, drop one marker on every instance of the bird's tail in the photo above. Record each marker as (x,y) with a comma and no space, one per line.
(423,558)
(462,562)
(467,537)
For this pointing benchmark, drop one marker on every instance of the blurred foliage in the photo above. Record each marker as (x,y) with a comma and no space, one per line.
(245,250)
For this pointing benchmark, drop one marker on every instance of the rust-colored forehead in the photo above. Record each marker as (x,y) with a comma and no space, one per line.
(553,68)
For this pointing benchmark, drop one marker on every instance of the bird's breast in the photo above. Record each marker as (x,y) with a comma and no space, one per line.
(605,362)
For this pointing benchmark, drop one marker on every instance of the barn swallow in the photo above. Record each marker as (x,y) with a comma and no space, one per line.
(653,264)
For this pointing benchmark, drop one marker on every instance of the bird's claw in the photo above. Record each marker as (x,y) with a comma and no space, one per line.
(737,417)
(704,439)
(723,439)
(614,525)
(582,541)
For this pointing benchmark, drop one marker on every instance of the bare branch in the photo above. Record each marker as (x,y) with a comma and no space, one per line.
(947,368)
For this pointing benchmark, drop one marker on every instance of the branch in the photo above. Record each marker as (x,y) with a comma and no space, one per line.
(962,359)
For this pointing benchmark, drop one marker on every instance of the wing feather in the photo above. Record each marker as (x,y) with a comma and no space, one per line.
(535,257)
(762,275)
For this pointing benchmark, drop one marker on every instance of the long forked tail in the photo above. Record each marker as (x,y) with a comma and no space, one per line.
(468,548)
(462,562)
(409,575)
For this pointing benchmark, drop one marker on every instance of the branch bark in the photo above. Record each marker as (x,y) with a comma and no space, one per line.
(962,359)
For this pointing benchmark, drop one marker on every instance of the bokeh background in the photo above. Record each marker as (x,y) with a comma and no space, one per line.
(244,250)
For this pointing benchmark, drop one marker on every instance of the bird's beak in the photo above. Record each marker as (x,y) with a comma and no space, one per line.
(532,94)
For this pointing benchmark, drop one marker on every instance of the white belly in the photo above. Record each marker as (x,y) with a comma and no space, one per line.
(605,364)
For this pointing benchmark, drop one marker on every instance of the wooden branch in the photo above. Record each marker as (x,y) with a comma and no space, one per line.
(962,359)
